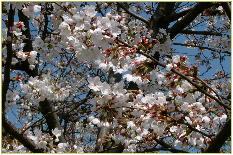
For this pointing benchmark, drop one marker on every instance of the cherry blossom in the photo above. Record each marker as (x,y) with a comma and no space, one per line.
(107,78)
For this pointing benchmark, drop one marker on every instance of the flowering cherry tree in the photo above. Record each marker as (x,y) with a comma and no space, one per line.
(116,77)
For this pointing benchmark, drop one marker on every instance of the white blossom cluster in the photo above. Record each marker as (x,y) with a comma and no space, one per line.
(41,88)
(164,106)
(88,35)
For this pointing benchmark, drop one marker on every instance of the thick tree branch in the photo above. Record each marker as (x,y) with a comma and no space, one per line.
(75,104)
(52,120)
(132,14)
(28,40)
(27,47)
(24,66)
(169,147)
(20,137)
(188,18)
(99,9)
(176,16)
(220,139)
(114,149)
(46,107)
(227,9)
(158,19)
(6,82)
(8,127)
(46,21)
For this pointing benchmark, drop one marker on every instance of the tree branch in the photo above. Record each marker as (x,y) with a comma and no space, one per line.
(158,19)
(192,128)
(99,9)
(63,8)
(52,120)
(227,9)
(165,145)
(24,66)
(176,16)
(188,18)
(201,47)
(9,128)
(46,107)
(220,139)
(201,32)
(27,47)
(28,40)
(181,75)
(164,149)
(132,14)
(20,137)
(186,78)
(6,82)
(46,21)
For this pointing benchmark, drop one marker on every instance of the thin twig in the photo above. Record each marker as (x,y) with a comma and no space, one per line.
(63,8)
(206,85)
(133,14)
(201,32)
(201,47)
(181,75)
(186,78)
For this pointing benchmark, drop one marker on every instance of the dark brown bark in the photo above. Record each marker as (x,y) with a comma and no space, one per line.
(188,18)
(220,139)
(158,19)
(46,21)
(28,41)
(24,65)
(176,16)
(46,107)
(6,82)
(227,9)
(170,148)
(52,120)
(20,137)
(8,127)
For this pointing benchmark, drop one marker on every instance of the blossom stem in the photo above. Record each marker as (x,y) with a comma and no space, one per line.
(188,79)
(133,14)
(180,74)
